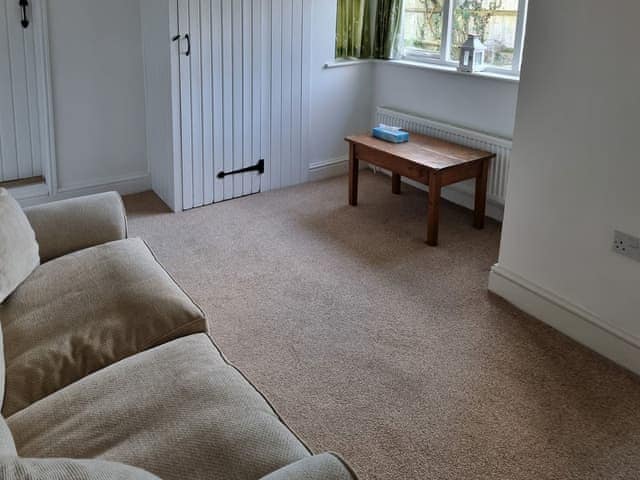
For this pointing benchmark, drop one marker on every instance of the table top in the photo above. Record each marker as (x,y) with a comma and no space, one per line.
(434,153)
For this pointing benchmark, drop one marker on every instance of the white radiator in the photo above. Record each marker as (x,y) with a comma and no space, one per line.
(499,172)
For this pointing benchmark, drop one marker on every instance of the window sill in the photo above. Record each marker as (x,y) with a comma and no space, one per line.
(347,62)
(425,66)
(451,70)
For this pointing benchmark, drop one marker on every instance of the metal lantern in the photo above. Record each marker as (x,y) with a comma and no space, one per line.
(472,55)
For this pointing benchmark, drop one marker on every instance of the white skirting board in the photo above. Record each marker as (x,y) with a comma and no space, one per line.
(35,195)
(328,169)
(572,320)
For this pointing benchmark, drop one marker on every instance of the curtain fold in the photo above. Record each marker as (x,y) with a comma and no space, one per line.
(353,29)
(388,28)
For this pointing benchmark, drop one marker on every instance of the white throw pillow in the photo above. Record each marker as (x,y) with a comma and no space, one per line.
(19,254)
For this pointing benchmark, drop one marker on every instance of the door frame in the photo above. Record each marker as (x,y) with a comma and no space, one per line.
(45,103)
(176,108)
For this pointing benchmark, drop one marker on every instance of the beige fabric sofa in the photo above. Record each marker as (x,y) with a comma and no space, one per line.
(109,363)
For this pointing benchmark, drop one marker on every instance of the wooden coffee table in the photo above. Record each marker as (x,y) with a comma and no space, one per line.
(431,161)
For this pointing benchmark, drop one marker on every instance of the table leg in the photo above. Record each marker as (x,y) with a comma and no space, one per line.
(435,187)
(396,181)
(354,166)
(481,195)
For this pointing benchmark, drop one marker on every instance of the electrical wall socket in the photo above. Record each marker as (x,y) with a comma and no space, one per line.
(626,245)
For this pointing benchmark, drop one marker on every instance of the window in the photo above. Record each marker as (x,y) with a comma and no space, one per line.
(434,30)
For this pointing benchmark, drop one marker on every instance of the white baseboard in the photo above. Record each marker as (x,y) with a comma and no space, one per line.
(29,191)
(124,186)
(328,169)
(574,321)
(460,195)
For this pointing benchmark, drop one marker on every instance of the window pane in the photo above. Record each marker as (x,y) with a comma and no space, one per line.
(494,20)
(423,25)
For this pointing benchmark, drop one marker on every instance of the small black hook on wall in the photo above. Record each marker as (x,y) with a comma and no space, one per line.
(24,4)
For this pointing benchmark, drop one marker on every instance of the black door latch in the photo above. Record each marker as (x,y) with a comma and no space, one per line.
(258,167)
(188,39)
(24,21)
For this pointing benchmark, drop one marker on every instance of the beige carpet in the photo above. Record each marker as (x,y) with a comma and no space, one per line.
(388,351)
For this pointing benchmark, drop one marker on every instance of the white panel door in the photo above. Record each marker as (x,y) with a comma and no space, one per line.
(244,83)
(23,106)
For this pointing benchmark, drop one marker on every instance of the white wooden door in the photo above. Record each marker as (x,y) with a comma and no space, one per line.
(244,95)
(24,136)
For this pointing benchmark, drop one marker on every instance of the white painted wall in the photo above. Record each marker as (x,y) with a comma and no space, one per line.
(479,103)
(344,99)
(575,171)
(98,93)
(341,98)
(156,34)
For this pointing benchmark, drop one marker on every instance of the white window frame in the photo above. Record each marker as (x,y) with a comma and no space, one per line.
(444,57)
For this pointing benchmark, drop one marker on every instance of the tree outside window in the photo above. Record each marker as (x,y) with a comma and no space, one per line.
(495,21)
(423,25)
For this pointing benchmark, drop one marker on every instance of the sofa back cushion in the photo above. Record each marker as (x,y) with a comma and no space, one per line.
(14,468)
(18,258)
(18,247)
(85,311)
(66,226)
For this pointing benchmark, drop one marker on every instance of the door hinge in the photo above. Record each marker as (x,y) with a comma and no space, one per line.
(258,167)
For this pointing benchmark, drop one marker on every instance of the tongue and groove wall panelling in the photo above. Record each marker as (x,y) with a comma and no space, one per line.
(243,96)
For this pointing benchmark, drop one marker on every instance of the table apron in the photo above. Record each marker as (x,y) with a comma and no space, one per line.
(460,173)
(398,165)
(417,172)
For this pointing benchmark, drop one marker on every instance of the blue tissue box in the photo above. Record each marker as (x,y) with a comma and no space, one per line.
(393,136)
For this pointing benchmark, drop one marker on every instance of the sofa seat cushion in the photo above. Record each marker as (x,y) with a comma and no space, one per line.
(84,311)
(178,411)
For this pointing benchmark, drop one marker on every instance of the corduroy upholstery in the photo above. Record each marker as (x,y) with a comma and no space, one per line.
(83,311)
(66,469)
(90,374)
(18,258)
(71,225)
(178,410)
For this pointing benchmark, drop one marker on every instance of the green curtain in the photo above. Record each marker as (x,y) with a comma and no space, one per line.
(353,29)
(388,28)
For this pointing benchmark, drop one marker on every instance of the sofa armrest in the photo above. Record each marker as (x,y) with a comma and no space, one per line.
(318,467)
(71,225)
